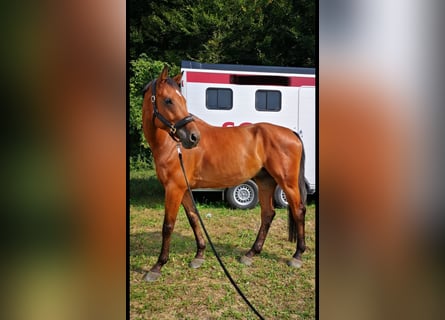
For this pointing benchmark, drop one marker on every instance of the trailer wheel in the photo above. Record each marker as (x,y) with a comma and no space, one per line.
(243,196)
(280,198)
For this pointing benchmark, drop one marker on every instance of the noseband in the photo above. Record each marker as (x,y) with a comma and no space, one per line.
(171,126)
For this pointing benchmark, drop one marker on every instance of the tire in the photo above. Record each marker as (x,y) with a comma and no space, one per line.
(280,198)
(243,196)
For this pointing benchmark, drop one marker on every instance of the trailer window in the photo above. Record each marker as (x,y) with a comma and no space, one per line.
(268,100)
(219,99)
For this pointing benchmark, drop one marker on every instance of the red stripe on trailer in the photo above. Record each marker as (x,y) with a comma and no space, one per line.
(301,81)
(208,77)
(224,78)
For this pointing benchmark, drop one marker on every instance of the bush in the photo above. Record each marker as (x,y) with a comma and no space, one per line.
(142,71)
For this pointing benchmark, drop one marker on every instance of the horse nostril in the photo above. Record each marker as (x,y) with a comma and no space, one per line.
(194,137)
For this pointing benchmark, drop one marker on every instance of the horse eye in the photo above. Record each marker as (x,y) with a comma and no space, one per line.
(168,101)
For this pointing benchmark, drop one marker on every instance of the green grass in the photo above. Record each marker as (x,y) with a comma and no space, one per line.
(276,290)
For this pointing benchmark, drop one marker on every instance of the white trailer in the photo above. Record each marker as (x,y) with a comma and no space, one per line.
(235,95)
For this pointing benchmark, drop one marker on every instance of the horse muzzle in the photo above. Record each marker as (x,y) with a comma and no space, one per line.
(189,138)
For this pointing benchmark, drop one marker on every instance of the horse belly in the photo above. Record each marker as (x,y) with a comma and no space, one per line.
(227,173)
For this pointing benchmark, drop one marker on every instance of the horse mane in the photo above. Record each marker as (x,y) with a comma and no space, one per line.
(146,88)
(170,81)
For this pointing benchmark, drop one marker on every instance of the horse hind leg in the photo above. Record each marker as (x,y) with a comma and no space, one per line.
(296,214)
(192,216)
(266,187)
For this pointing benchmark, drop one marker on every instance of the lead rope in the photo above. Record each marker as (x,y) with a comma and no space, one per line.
(210,241)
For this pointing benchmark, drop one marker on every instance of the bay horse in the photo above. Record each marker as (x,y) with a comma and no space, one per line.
(216,157)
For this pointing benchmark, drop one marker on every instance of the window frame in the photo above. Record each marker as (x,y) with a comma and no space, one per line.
(267,104)
(218,104)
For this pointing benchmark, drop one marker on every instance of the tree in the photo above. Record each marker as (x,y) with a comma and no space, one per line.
(268,32)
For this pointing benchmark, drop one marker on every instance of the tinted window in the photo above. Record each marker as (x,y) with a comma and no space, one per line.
(217,98)
(266,100)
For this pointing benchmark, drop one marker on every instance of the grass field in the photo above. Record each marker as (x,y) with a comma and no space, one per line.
(276,290)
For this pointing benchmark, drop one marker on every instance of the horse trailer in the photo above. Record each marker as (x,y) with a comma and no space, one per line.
(235,95)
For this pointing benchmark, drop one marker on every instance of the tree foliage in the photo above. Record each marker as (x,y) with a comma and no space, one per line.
(265,32)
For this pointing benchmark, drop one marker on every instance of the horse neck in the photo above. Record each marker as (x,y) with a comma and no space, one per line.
(158,139)
(201,124)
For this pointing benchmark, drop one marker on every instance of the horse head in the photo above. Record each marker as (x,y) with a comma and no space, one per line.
(170,109)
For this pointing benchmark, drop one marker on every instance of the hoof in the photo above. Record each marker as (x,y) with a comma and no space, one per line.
(246,260)
(196,263)
(295,263)
(151,276)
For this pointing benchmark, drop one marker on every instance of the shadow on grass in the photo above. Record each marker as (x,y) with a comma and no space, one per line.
(148,244)
(146,191)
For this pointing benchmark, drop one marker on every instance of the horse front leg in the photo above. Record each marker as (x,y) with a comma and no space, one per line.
(192,216)
(173,198)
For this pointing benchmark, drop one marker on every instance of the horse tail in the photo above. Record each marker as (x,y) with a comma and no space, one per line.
(292,224)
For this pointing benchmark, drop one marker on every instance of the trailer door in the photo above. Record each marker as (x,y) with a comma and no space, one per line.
(306,130)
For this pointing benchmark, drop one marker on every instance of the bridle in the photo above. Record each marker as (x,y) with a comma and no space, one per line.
(172,127)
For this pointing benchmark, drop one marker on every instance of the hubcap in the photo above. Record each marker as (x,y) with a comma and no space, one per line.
(243,195)
(283,197)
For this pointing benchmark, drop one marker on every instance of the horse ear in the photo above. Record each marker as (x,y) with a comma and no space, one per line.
(164,73)
(178,78)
